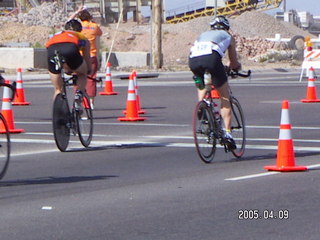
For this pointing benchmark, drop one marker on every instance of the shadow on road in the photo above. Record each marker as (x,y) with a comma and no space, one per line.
(117,146)
(54,180)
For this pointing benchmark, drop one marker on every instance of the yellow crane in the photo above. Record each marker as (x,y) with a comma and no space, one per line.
(231,8)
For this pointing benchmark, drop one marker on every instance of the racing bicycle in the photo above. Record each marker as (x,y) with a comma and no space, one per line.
(5,144)
(208,126)
(76,118)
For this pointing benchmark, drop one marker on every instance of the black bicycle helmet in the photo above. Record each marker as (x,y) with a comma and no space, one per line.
(220,22)
(73,25)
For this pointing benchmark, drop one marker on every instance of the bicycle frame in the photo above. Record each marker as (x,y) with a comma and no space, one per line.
(218,132)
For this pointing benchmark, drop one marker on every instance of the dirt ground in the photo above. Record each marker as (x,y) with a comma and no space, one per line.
(176,38)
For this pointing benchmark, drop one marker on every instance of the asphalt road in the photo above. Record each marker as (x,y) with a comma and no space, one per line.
(143,180)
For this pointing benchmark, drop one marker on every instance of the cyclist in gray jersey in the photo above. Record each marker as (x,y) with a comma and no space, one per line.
(221,40)
(206,57)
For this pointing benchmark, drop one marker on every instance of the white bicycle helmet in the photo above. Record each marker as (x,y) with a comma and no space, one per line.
(219,22)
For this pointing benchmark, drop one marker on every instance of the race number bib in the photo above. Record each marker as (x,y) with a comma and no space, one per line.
(201,48)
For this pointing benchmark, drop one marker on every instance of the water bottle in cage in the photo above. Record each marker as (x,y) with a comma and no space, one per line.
(199,83)
(207,79)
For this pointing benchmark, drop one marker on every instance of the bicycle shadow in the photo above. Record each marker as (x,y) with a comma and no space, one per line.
(102,109)
(116,146)
(55,180)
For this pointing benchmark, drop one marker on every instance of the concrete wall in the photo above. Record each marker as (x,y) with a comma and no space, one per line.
(126,59)
(12,58)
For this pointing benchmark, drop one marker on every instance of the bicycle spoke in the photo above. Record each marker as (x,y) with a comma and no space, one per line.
(61,122)
(84,121)
(203,132)
(238,128)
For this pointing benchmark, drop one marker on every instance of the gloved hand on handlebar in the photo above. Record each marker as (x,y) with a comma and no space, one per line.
(235,66)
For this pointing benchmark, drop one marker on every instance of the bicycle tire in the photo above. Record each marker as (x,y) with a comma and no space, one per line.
(203,132)
(61,122)
(5,147)
(238,128)
(84,121)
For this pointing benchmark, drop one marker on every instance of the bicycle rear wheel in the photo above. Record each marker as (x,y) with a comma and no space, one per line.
(238,128)
(203,132)
(61,122)
(84,121)
(4,147)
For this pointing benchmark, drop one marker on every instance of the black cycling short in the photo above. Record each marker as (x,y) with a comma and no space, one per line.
(211,63)
(69,51)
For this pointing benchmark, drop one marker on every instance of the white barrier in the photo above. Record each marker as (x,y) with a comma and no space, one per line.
(311,59)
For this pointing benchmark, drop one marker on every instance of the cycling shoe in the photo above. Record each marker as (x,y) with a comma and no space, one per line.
(230,142)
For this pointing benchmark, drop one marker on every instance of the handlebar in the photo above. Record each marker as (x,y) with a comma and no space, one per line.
(73,80)
(98,79)
(235,73)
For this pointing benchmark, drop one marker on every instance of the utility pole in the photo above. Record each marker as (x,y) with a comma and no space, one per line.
(215,8)
(156,34)
(138,11)
(121,10)
(284,6)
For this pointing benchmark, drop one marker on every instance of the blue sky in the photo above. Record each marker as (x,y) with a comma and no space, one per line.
(312,6)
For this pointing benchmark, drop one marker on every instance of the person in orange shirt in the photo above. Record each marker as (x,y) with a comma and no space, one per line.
(69,43)
(92,32)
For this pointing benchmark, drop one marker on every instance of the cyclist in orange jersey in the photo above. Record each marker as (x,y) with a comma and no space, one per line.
(92,32)
(69,43)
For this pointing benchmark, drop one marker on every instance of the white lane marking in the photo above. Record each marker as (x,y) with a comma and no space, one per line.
(309,167)
(273,140)
(25,140)
(173,125)
(277,127)
(119,124)
(251,176)
(33,152)
(258,147)
(315,166)
(248,146)
(248,139)
(296,148)
(279,102)
(48,208)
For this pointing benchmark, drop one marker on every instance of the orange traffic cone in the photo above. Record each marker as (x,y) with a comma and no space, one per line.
(131,110)
(136,87)
(285,154)
(7,112)
(311,89)
(108,89)
(19,97)
(214,93)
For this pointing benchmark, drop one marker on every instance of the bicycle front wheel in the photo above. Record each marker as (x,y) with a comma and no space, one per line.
(4,147)
(61,122)
(203,132)
(84,121)
(238,128)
